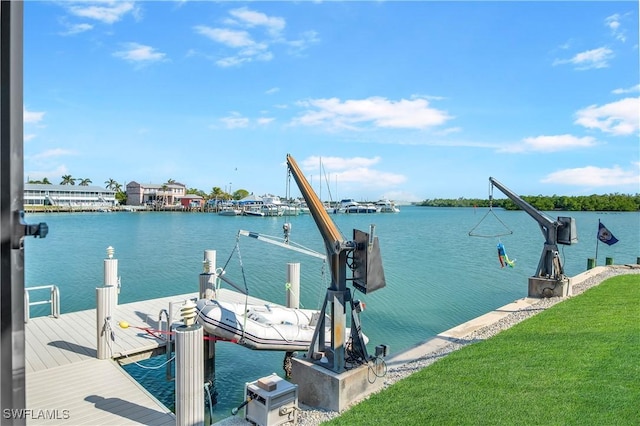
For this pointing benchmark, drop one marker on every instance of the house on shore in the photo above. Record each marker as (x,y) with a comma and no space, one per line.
(68,197)
(153,194)
(192,202)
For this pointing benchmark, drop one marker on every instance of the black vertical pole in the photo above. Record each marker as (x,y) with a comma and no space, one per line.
(597,241)
(12,362)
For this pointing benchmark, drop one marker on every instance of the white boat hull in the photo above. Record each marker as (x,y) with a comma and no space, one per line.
(260,327)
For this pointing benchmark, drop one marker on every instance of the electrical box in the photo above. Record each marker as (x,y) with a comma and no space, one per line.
(368,274)
(566,232)
(274,401)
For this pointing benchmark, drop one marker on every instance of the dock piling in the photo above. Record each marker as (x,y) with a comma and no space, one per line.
(293,285)
(208,276)
(104,310)
(111,273)
(208,291)
(189,370)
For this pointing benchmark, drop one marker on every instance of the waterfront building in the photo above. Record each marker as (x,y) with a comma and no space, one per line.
(192,202)
(166,194)
(68,196)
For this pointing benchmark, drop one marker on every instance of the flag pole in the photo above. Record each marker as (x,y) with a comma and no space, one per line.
(597,240)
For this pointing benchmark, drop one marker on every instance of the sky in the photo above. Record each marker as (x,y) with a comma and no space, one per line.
(400,100)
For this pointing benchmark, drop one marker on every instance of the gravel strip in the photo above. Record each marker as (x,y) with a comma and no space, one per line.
(309,416)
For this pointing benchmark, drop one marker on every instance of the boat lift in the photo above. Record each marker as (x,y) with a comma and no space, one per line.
(360,255)
(549,279)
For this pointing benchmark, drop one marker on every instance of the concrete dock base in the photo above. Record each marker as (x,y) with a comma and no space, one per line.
(320,387)
(545,287)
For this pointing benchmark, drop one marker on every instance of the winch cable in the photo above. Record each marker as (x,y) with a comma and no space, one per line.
(472,234)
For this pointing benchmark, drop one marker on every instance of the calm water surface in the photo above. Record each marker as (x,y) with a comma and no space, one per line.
(437,275)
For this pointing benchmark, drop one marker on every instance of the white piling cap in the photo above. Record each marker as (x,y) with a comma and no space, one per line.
(188,312)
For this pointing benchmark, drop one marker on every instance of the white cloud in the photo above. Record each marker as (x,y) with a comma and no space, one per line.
(594,176)
(52,153)
(614,24)
(52,174)
(247,50)
(272,90)
(369,178)
(306,39)
(265,120)
(354,172)
(338,163)
(621,91)
(552,143)
(139,54)
(377,111)
(240,33)
(27,138)
(595,58)
(77,29)
(31,116)
(107,12)
(274,25)
(231,38)
(235,121)
(618,118)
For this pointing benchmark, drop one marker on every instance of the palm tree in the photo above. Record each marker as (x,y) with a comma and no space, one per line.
(85,182)
(164,188)
(111,183)
(216,193)
(68,180)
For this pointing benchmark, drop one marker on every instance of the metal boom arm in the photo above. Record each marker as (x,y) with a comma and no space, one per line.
(549,265)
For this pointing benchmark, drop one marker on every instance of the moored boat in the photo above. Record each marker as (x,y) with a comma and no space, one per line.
(260,327)
(387,206)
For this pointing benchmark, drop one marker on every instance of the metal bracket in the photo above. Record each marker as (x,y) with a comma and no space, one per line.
(22,229)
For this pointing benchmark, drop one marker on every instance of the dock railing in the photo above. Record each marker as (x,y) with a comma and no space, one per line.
(54,300)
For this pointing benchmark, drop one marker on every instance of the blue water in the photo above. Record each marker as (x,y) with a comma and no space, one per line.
(437,275)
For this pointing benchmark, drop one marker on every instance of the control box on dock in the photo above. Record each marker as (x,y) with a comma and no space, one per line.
(274,401)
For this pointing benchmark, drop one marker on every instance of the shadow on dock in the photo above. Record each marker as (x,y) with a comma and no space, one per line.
(73,347)
(129,410)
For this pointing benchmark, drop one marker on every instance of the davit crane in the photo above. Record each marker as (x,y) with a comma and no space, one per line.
(362,256)
(549,279)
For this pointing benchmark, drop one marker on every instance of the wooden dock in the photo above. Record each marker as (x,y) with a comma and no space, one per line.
(67,385)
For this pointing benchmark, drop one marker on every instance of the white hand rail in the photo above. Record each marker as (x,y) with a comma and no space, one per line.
(54,300)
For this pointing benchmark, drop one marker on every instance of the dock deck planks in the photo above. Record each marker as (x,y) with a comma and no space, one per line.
(63,373)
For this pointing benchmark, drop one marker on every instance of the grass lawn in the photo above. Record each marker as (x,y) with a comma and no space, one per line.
(576,363)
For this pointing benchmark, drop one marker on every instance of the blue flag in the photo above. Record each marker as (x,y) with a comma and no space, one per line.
(605,235)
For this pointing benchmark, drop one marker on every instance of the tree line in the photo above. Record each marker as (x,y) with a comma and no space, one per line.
(607,202)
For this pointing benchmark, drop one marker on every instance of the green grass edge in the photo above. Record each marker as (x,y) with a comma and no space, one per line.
(577,362)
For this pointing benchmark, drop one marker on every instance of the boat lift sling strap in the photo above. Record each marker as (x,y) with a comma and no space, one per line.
(474,233)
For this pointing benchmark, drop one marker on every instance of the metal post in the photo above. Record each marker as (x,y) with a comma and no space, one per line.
(208,277)
(293,285)
(189,371)
(104,311)
(208,291)
(12,343)
(111,273)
